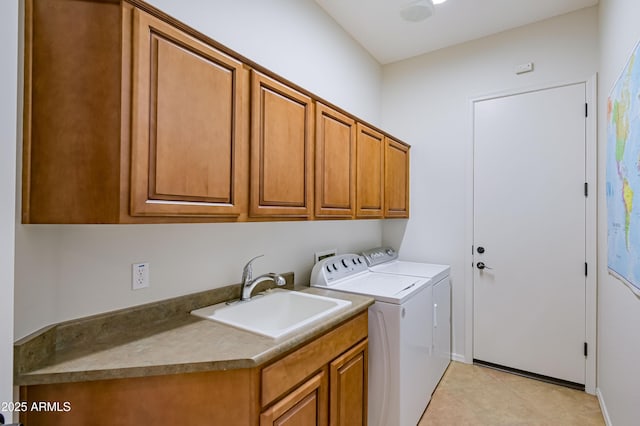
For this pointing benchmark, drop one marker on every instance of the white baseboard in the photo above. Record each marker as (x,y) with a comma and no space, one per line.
(603,407)
(459,358)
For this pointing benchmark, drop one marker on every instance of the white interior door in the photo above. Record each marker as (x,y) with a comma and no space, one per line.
(529,232)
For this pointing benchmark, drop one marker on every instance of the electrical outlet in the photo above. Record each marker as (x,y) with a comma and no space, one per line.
(318,256)
(139,275)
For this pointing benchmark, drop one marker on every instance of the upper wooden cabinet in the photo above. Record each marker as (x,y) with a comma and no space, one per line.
(281,149)
(370,173)
(130,116)
(128,119)
(189,144)
(72,158)
(396,179)
(335,161)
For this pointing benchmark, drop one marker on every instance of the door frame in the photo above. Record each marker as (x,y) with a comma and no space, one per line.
(590,220)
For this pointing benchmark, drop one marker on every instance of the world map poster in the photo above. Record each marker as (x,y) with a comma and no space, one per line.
(623,174)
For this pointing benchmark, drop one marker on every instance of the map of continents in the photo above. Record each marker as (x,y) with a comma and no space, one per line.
(623,173)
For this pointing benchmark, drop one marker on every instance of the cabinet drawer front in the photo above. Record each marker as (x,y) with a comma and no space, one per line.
(286,373)
(306,405)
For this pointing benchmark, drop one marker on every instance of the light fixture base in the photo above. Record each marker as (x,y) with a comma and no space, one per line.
(416,11)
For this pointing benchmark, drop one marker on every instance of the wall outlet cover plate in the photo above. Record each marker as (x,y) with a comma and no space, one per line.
(319,255)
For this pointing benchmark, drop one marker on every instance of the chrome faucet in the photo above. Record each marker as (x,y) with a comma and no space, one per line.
(248,283)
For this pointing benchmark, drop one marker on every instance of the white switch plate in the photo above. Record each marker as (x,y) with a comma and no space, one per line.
(139,275)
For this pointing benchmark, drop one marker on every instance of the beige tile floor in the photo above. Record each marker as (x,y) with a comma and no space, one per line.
(474,395)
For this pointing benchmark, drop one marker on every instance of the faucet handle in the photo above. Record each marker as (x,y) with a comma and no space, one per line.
(246,271)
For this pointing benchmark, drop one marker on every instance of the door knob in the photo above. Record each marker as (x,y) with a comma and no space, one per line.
(482,266)
(480,250)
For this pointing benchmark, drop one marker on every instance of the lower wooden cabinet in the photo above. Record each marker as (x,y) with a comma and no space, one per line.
(348,384)
(306,405)
(321,383)
(337,400)
(340,358)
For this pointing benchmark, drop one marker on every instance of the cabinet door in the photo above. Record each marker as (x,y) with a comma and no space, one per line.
(281,149)
(304,406)
(348,383)
(335,163)
(396,179)
(370,173)
(189,141)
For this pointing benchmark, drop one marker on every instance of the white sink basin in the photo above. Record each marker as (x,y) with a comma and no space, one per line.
(275,314)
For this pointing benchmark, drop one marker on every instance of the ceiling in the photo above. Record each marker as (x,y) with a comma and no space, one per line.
(378,27)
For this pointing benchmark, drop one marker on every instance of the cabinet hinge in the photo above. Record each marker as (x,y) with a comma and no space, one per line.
(586,110)
(585,348)
(586,189)
(585,269)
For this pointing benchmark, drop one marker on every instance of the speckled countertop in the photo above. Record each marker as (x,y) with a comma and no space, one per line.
(180,344)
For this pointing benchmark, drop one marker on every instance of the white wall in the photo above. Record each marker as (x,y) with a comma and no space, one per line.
(618,307)
(64,272)
(8,127)
(295,39)
(426,102)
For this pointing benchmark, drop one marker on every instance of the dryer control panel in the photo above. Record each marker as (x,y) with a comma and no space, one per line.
(379,255)
(335,268)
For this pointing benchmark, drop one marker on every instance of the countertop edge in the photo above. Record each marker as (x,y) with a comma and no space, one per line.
(278,349)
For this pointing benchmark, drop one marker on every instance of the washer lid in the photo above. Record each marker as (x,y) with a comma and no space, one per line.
(414,269)
(383,287)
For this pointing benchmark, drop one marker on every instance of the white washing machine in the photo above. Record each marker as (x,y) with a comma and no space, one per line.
(384,260)
(400,340)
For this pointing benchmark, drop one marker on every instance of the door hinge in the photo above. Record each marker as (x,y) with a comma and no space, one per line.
(586,189)
(586,110)
(585,348)
(585,269)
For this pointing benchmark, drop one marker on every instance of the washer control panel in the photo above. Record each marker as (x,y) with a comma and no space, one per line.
(338,267)
(379,255)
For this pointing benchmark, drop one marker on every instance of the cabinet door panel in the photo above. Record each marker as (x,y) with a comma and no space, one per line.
(281,144)
(189,145)
(335,163)
(396,179)
(370,169)
(304,406)
(184,113)
(348,383)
